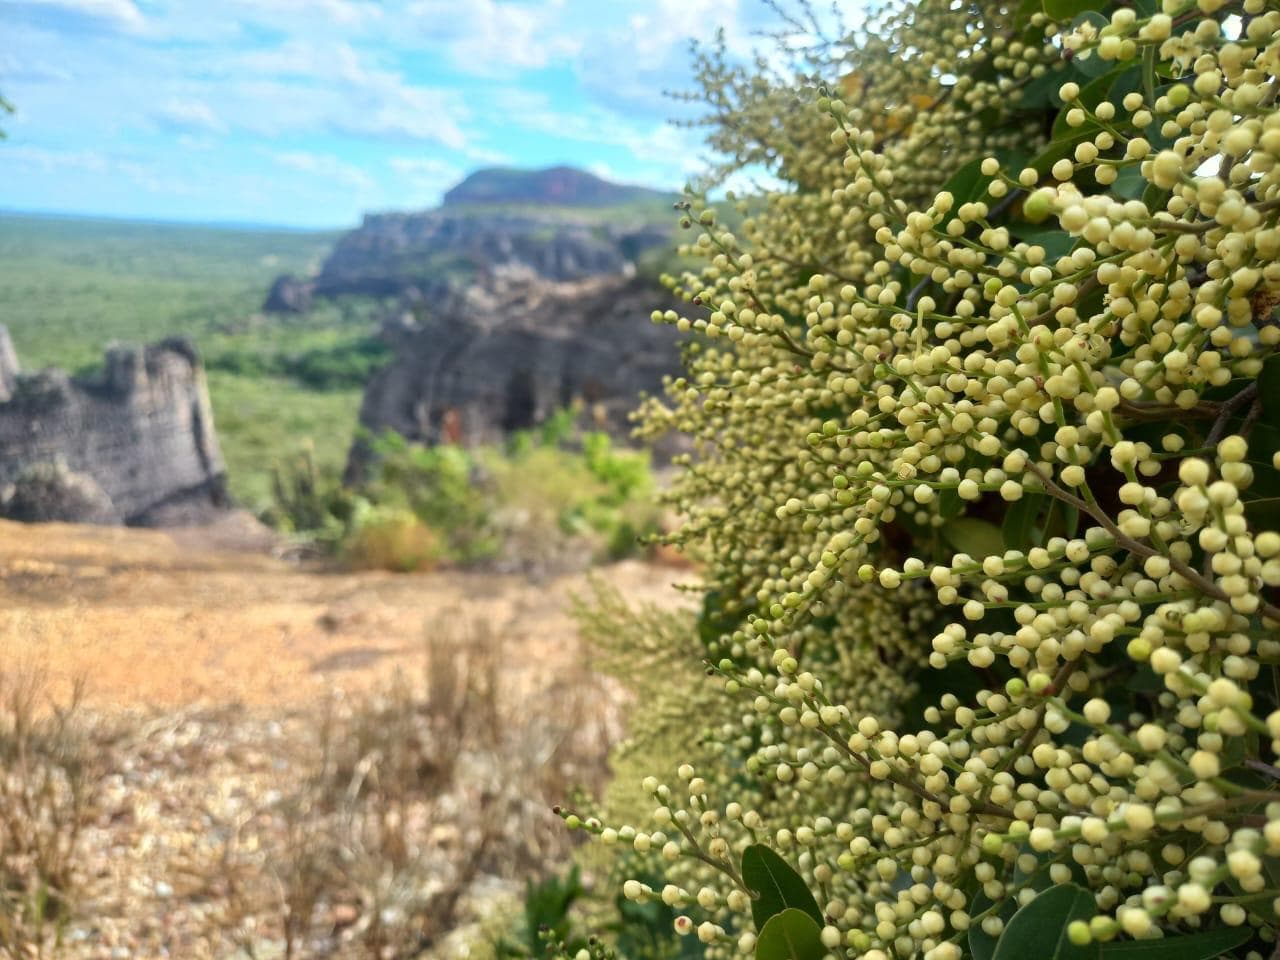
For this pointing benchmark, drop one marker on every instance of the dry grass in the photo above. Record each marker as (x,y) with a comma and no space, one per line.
(410,795)
(49,780)
(270,762)
(360,827)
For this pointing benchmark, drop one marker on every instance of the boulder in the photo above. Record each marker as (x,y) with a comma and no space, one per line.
(50,490)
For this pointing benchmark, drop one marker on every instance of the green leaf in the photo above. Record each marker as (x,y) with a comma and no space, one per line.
(949,503)
(1019,520)
(982,946)
(978,538)
(1040,928)
(1026,10)
(776,886)
(1091,94)
(1087,61)
(1194,946)
(1269,388)
(790,935)
(968,183)
(1042,91)
(1130,184)
(1055,241)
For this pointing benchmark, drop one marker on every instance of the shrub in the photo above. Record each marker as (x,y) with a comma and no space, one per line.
(544,499)
(389,538)
(442,486)
(986,421)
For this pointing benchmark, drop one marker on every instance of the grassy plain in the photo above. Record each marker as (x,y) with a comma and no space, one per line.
(71,286)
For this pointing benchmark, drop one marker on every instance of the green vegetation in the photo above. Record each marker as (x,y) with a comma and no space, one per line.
(985,417)
(547,496)
(69,287)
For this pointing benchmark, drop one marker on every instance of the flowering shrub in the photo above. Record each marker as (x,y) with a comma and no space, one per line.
(985,409)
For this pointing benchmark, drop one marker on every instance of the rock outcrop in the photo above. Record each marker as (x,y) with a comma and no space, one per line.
(558,186)
(397,254)
(133,444)
(9,368)
(476,365)
(289,295)
(561,223)
(515,301)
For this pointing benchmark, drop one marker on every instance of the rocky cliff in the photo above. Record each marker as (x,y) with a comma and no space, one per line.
(487,360)
(561,223)
(133,444)
(393,254)
(514,301)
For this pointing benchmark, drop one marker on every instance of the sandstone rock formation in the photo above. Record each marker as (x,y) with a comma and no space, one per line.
(393,254)
(515,301)
(133,444)
(547,220)
(9,369)
(480,363)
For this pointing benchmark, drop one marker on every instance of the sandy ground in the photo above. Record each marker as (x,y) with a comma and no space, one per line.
(207,663)
(155,619)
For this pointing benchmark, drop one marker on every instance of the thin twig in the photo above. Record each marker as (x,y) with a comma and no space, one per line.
(1226,409)
(1201,583)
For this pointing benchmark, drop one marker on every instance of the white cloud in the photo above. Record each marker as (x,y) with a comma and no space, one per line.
(332,85)
(326,167)
(16,70)
(648,141)
(189,114)
(422,180)
(431,167)
(113,166)
(121,14)
(492,36)
(344,13)
(27,155)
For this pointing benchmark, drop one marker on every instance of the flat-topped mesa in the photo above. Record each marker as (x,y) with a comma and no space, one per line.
(133,444)
(562,224)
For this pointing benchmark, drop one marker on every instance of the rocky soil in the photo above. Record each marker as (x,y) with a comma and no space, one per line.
(226,690)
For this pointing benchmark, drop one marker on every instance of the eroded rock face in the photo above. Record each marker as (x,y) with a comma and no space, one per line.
(9,368)
(398,254)
(133,444)
(472,367)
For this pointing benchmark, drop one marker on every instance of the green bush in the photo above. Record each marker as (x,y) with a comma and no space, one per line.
(442,487)
(385,537)
(986,417)
(543,494)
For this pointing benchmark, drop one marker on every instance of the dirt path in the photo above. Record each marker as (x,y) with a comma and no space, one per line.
(157,619)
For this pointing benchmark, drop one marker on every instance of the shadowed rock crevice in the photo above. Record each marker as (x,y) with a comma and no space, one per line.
(132,444)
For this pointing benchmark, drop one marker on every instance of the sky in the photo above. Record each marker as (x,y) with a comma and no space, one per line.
(312,112)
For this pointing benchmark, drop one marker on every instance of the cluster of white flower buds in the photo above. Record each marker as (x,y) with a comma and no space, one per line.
(986,426)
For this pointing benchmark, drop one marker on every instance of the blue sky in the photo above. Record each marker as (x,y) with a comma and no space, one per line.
(310,112)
